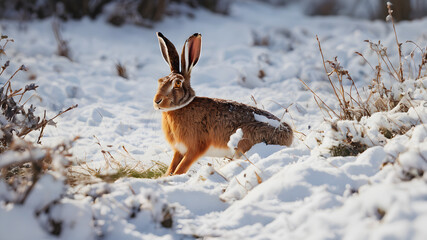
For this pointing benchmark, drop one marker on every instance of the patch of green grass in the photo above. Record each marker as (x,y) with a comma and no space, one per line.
(158,169)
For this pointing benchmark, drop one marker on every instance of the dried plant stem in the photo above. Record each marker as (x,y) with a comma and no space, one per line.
(7,41)
(37,169)
(378,77)
(358,53)
(43,124)
(399,45)
(13,75)
(357,90)
(388,59)
(330,109)
(2,70)
(329,78)
(28,99)
(423,61)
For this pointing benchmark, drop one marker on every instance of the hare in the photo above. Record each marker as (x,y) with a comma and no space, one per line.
(201,126)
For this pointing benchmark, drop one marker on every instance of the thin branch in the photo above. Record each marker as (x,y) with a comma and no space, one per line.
(324,66)
(330,109)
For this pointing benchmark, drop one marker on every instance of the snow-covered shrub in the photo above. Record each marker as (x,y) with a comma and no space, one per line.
(396,102)
(14,118)
(22,161)
(350,137)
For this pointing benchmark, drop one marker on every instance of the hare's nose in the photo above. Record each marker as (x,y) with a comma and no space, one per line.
(158,101)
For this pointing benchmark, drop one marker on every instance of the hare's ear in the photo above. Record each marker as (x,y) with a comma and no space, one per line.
(191,53)
(169,52)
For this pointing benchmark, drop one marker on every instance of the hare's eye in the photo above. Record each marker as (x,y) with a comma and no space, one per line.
(178,83)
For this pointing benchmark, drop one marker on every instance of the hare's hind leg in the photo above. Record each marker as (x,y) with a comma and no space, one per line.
(177,157)
(258,132)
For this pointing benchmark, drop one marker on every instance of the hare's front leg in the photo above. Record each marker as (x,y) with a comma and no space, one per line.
(177,157)
(189,158)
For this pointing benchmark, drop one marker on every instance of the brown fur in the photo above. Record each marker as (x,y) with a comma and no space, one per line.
(200,123)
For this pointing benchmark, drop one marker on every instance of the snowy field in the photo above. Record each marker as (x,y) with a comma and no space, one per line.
(297,192)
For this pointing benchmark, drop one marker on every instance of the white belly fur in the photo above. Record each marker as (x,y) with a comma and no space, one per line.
(181,148)
(218,152)
(211,152)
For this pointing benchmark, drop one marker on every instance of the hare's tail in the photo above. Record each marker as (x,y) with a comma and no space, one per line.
(281,135)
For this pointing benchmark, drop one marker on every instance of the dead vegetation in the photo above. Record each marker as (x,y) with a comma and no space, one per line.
(114,168)
(22,162)
(62,45)
(381,97)
(121,70)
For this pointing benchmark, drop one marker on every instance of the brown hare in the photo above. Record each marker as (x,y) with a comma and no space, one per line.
(201,126)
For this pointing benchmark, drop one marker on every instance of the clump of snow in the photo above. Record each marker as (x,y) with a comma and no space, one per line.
(368,131)
(272,122)
(409,152)
(235,139)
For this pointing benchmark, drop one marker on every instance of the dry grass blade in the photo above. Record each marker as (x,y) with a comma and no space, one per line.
(316,96)
(62,45)
(22,68)
(423,58)
(121,70)
(399,45)
(358,53)
(329,78)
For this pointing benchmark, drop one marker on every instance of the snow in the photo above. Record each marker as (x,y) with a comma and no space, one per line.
(273,192)
(264,119)
(235,139)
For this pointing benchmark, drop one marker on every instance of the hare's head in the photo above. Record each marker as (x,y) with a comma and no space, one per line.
(174,90)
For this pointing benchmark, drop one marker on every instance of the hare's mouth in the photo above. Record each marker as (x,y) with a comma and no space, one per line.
(167,109)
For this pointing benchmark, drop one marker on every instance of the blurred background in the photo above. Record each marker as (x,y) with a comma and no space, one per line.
(147,12)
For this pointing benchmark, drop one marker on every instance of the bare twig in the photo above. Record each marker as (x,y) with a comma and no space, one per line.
(399,45)
(358,53)
(324,66)
(330,109)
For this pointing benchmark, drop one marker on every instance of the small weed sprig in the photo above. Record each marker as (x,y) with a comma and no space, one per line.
(114,169)
(399,45)
(121,70)
(423,58)
(62,45)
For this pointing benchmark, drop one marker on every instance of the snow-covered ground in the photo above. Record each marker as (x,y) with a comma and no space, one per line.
(299,192)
